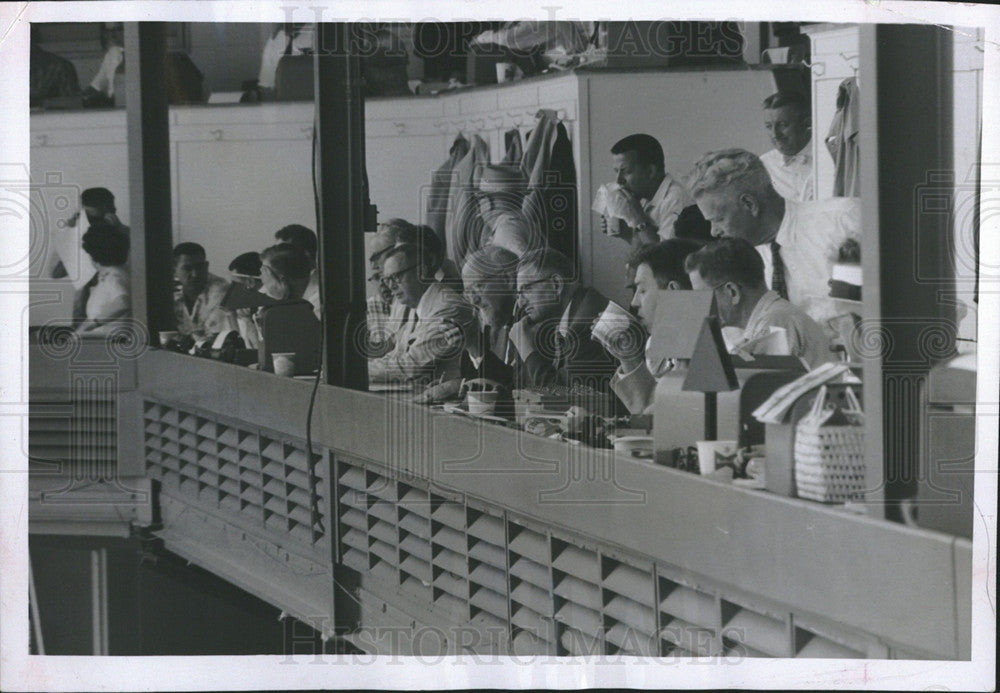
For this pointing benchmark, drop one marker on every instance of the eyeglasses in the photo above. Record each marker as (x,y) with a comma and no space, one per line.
(392,280)
(521,290)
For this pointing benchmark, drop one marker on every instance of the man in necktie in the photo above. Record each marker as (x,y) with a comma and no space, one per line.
(441,321)
(553,340)
(797,241)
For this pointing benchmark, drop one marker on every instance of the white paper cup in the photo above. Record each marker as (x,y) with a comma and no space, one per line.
(505,71)
(284,364)
(707,450)
(166,336)
(613,321)
(482,402)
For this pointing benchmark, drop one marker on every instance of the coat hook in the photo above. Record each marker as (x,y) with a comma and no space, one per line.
(216,134)
(813,66)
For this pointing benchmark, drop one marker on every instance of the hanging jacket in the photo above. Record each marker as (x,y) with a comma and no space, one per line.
(436,211)
(463,225)
(552,200)
(513,146)
(842,141)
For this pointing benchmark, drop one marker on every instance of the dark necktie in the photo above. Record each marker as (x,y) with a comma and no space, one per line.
(778,271)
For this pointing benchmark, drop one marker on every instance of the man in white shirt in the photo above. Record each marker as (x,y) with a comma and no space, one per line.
(798,241)
(789,125)
(198,304)
(653,198)
(733,269)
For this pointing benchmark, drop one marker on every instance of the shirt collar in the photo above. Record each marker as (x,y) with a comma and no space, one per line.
(763,305)
(803,157)
(661,192)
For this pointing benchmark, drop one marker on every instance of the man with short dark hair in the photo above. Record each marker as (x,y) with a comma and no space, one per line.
(658,267)
(305,239)
(654,199)
(198,303)
(430,345)
(789,125)
(733,269)
(554,339)
(109,298)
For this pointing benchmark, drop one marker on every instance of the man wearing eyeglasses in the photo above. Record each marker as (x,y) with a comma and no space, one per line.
(734,270)
(198,303)
(553,340)
(429,347)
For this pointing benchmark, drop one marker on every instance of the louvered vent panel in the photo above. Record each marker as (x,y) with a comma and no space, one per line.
(487,559)
(78,438)
(824,641)
(223,465)
(629,593)
(414,512)
(760,631)
(383,535)
(449,557)
(530,603)
(576,578)
(689,620)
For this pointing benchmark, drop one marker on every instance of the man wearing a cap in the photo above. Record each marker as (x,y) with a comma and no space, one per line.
(501,194)
(430,345)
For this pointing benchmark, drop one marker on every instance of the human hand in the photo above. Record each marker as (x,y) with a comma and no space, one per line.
(440,392)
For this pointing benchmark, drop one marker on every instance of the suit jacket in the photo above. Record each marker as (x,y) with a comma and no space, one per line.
(583,360)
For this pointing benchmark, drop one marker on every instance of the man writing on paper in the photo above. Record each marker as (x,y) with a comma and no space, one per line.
(798,241)
(733,269)
(430,345)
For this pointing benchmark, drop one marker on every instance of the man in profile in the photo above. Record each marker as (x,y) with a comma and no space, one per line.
(798,241)
(429,346)
(734,271)
(553,340)
(789,125)
(658,267)
(198,302)
(653,198)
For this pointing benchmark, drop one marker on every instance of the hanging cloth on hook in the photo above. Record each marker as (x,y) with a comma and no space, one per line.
(551,198)
(436,214)
(463,225)
(842,140)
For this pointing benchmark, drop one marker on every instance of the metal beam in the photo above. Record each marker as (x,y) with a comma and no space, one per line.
(342,205)
(149,175)
(911,261)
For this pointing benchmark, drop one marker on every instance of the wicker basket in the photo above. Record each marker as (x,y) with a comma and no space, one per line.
(830,451)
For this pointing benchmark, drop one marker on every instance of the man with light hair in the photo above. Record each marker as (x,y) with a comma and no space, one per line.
(789,126)
(798,241)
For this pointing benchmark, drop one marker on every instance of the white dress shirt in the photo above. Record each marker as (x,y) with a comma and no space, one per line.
(806,339)
(810,236)
(792,176)
(207,316)
(109,299)
(666,205)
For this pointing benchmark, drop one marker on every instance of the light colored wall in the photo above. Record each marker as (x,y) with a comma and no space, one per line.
(690,113)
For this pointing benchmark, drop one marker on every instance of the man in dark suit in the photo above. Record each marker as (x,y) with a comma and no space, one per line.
(554,340)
